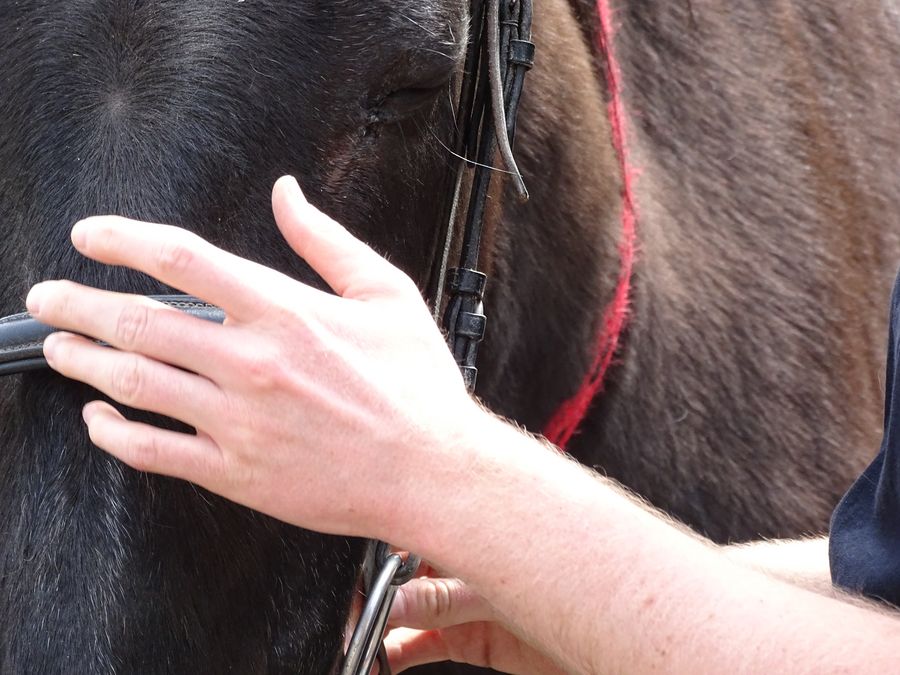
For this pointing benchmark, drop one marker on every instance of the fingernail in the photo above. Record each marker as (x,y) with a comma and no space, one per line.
(294,190)
(88,412)
(79,235)
(33,301)
(50,344)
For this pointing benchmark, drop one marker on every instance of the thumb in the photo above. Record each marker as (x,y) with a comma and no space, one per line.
(429,604)
(348,266)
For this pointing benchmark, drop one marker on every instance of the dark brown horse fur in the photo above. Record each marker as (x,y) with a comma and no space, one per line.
(747,393)
(766,138)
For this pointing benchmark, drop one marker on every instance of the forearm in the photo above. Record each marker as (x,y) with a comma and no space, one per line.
(802,562)
(613,587)
(578,567)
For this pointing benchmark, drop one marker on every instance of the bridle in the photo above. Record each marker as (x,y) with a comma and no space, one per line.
(500,53)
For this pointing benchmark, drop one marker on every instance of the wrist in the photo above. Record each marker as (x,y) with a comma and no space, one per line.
(451,511)
(436,465)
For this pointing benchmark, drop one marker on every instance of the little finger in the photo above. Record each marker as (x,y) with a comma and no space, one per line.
(150,449)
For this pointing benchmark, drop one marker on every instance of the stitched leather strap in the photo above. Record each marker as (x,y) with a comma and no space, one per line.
(22,337)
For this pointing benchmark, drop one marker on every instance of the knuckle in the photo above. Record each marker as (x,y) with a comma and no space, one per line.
(241,429)
(175,257)
(486,650)
(264,370)
(142,451)
(61,301)
(132,325)
(127,381)
(438,598)
(280,315)
(405,287)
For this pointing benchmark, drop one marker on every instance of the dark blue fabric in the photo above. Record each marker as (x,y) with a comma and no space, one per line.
(865,529)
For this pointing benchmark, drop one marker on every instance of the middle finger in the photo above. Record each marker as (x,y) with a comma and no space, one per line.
(131,323)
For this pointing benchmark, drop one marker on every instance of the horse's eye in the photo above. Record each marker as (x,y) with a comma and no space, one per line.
(413,85)
(406,102)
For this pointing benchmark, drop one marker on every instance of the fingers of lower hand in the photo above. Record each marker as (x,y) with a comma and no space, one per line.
(135,380)
(407,648)
(482,644)
(148,448)
(427,603)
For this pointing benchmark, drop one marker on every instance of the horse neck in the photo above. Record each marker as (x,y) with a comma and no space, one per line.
(765,177)
(767,251)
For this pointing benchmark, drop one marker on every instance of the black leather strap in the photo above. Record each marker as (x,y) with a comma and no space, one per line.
(22,337)
(521,53)
(500,54)
(464,281)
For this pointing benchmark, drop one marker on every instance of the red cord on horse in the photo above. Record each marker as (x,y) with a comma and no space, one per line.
(570,415)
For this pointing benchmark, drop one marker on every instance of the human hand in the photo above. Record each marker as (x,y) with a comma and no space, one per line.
(439,619)
(317,409)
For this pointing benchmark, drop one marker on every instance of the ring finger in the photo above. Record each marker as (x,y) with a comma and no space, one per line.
(135,380)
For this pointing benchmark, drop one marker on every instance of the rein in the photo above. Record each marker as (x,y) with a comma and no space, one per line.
(500,53)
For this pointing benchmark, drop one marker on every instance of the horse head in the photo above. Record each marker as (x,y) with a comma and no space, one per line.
(185,113)
(765,179)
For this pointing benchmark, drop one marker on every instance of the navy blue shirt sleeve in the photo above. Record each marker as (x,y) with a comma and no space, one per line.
(864,547)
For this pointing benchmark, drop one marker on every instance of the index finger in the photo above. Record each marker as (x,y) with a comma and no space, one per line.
(180,259)
(348,265)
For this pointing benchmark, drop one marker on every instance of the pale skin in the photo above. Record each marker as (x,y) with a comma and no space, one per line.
(563,570)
